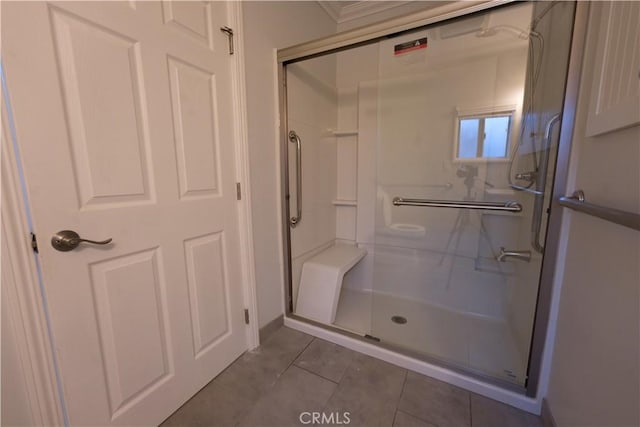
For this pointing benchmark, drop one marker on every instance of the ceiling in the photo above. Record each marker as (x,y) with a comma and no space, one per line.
(343,11)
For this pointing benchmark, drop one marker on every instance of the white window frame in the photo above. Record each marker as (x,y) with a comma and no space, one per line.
(483,112)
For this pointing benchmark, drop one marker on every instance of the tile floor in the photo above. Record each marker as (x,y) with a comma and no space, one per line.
(294,374)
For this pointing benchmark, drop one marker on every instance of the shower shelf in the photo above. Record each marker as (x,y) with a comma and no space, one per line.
(345,132)
(344,202)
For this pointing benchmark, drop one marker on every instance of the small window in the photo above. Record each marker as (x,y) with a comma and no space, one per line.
(483,136)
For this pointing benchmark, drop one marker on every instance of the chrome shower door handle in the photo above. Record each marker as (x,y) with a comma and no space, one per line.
(294,138)
(68,240)
(541,183)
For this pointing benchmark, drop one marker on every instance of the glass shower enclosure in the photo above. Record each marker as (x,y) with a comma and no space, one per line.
(431,152)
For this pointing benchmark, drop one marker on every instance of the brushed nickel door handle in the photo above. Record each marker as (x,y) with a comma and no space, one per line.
(68,240)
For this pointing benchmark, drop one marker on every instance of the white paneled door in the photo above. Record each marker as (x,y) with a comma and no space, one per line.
(123,114)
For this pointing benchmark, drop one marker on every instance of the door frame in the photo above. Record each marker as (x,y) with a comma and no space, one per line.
(29,313)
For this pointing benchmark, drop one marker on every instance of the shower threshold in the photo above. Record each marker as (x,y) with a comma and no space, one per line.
(468,379)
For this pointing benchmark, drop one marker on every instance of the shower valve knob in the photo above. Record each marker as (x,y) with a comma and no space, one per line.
(526,176)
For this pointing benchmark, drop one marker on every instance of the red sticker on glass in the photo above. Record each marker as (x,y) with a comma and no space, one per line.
(401,48)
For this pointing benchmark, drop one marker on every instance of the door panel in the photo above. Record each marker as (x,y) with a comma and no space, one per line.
(192,18)
(193,98)
(117,110)
(208,290)
(98,140)
(131,313)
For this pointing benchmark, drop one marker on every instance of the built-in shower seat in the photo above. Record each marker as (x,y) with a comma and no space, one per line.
(321,281)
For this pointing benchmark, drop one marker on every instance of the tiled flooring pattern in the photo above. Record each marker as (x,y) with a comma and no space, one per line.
(293,373)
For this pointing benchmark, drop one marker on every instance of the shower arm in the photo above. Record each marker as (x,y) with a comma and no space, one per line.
(541,183)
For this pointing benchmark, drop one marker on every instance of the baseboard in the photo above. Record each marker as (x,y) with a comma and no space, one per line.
(546,415)
(267,330)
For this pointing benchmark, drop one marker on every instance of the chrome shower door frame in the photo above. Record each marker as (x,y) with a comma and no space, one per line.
(539,353)
(539,358)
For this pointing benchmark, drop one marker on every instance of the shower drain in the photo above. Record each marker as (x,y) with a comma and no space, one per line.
(400,320)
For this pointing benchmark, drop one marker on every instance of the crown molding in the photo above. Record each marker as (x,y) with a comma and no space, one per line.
(366,8)
(357,10)
(332,9)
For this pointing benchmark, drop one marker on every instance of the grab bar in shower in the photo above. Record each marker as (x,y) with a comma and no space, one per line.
(294,138)
(541,183)
(577,202)
(510,206)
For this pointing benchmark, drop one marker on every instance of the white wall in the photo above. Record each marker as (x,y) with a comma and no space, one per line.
(595,374)
(412,147)
(312,102)
(415,159)
(267,26)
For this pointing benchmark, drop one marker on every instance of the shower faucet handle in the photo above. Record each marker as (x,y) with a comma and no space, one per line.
(521,255)
(527,176)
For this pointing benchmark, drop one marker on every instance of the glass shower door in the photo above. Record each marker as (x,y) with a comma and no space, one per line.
(465,132)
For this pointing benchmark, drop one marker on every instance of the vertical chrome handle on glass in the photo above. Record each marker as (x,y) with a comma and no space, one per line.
(541,183)
(294,138)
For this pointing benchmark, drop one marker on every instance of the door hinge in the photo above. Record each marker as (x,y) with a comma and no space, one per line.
(238,191)
(229,32)
(34,243)
(246,316)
